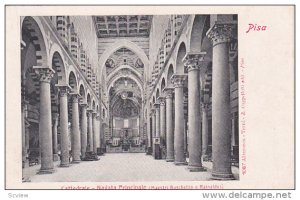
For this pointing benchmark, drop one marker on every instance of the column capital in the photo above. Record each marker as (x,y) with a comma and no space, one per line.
(168,92)
(162,100)
(83,104)
(63,89)
(89,110)
(221,32)
(192,60)
(44,74)
(157,104)
(178,80)
(75,97)
(81,100)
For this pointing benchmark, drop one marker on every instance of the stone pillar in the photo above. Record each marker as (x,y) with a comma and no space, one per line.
(27,125)
(220,34)
(149,138)
(25,134)
(63,116)
(90,131)
(45,128)
(233,130)
(83,130)
(194,115)
(76,148)
(94,132)
(162,120)
(153,129)
(162,102)
(178,82)
(98,131)
(54,135)
(25,142)
(157,118)
(169,124)
(153,123)
(204,132)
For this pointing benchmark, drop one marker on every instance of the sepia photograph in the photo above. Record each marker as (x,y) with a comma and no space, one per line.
(126,98)
(126,90)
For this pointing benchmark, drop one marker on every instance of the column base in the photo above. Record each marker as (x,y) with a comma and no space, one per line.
(55,157)
(180,163)
(196,168)
(64,165)
(157,152)
(169,159)
(218,176)
(46,171)
(149,151)
(75,161)
(25,179)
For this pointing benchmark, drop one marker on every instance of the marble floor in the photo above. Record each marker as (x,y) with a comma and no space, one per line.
(122,167)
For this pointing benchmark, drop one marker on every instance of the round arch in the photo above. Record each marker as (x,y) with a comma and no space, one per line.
(179,69)
(170,72)
(157,93)
(82,91)
(38,36)
(198,32)
(58,64)
(114,79)
(93,104)
(115,70)
(88,99)
(72,81)
(163,84)
(123,43)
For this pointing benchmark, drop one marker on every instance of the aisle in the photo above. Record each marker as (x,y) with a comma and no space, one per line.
(123,167)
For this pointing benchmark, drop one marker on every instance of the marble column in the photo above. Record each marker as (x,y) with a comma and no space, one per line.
(156,146)
(191,61)
(99,132)
(169,124)
(25,142)
(76,148)
(24,149)
(63,116)
(204,131)
(157,118)
(149,138)
(94,121)
(45,126)
(162,102)
(83,129)
(90,131)
(178,82)
(220,34)
(153,128)
(233,130)
(54,135)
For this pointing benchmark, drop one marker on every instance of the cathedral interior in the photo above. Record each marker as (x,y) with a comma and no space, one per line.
(144,92)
